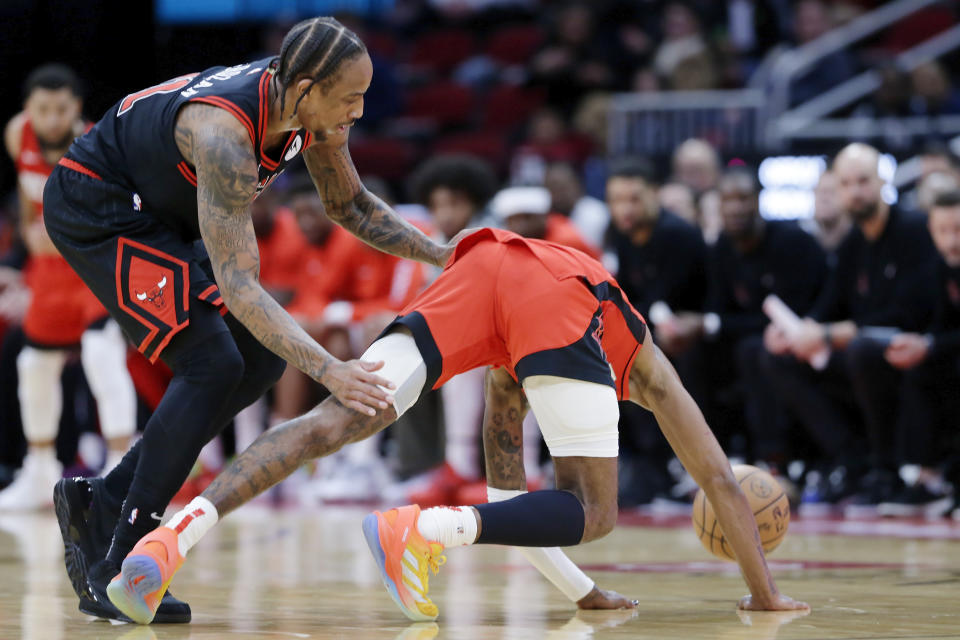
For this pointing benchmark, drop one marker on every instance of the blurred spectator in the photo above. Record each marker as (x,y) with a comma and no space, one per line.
(933,170)
(590,121)
(753,258)
(526,211)
(811,20)
(831,224)
(645,80)
(929,402)
(589,215)
(682,39)
(877,285)
(573,60)
(889,102)
(455,189)
(693,74)
(281,244)
(678,198)
(660,256)
(696,164)
(932,93)
(549,139)
(933,185)
(937,157)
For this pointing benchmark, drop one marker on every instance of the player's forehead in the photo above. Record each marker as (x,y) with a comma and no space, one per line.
(43,96)
(354,77)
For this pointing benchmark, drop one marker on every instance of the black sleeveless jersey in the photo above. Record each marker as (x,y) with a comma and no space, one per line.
(133,144)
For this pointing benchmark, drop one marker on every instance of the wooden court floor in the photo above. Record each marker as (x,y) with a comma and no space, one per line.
(266,573)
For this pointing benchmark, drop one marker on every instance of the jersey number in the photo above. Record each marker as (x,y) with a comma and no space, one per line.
(165,87)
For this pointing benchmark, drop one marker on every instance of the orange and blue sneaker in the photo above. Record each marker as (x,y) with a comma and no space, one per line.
(145,574)
(405,559)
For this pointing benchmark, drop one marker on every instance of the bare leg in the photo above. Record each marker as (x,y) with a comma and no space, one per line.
(594,482)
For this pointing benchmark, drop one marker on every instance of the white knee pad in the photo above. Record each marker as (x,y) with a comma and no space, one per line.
(40,392)
(577,418)
(403,366)
(104,357)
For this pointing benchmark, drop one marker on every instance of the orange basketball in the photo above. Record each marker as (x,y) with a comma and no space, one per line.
(770,507)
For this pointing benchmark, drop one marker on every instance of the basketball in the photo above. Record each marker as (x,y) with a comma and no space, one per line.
(769,504)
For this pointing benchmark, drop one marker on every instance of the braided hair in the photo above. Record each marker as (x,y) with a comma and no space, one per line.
(316,47)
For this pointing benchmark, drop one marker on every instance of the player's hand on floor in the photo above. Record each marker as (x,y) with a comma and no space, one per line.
(780,602)
(601,599)
(356,386)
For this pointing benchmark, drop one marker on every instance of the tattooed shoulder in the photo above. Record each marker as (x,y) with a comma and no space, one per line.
(226,164)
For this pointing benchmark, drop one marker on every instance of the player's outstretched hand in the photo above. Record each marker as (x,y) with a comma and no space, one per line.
(356,386)
(601,599)
(780,602)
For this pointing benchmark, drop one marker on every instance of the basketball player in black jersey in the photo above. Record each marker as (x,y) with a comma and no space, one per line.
(151,208)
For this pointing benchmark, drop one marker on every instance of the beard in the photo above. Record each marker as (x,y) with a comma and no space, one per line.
(55,145)
(864,212)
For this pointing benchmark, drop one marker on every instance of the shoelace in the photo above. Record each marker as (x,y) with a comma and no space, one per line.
(435,559)
(431,561)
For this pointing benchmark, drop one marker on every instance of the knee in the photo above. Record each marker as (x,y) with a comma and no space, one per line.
(599,519)
(266,365)
(216,364)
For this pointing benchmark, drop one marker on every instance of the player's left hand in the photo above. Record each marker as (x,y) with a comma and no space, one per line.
(602,599)
(451,246)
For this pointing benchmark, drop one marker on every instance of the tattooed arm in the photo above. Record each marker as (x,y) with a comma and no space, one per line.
(363,214)
(220,149)
(506,407)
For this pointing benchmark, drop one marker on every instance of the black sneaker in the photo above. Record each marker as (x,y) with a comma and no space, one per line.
(915,501)
(876,487)
(72,501)
(86,526)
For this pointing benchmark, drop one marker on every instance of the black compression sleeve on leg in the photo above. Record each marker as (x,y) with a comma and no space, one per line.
(537,519)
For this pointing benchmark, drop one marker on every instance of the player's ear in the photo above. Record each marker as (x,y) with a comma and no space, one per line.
(303,84)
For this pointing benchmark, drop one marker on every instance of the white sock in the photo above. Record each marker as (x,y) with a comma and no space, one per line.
(450,526)
(192,523)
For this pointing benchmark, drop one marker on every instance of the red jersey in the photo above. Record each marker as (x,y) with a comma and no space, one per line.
(62,306)
(282,252)
(32,168)
(531,306)
(561,231)
(346,269)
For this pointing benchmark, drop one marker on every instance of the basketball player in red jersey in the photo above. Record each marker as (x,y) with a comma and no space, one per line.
(152,209)
(63,313)
(562,337)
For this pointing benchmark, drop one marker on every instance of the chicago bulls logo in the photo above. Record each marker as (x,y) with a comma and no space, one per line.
(153,287)
(154,295)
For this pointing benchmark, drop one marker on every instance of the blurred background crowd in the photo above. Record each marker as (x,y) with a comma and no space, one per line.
(700,149)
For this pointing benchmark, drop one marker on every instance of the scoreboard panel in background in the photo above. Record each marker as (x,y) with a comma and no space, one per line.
(787,184)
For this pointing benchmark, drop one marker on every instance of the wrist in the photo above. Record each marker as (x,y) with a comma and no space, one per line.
(827,336)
